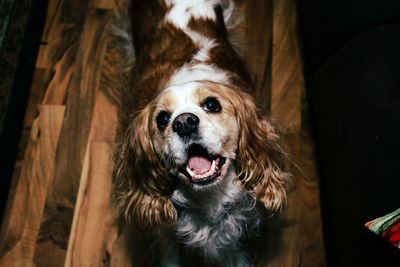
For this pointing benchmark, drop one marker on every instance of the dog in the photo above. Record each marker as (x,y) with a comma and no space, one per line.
(197,158)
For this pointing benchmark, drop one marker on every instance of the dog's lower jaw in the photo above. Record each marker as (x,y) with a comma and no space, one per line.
(211,225)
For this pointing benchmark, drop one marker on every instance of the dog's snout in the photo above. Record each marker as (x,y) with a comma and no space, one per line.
(186,124)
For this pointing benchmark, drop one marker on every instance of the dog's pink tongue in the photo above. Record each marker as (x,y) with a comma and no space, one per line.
(199,164)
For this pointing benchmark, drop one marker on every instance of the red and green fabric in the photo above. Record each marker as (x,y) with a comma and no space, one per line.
(388,227)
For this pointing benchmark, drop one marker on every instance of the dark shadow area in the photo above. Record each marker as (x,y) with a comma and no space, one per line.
(267,246)
(351,51)
(17,60)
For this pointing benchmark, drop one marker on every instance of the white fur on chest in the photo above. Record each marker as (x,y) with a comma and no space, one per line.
(213,223)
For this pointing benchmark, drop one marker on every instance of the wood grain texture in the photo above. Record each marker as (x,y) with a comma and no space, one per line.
(104,121)
(300,241)
(93,219)
(287,76)
(32,111)
(294,237)
(59,53)
(256,47)
(96,239)
(53,13)
(20,228)
(57,218)
(62,28)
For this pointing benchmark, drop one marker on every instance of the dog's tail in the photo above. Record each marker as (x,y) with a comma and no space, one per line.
(228,8)
(232,12)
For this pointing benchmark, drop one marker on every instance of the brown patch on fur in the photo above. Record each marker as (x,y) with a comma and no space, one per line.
(209,28)
(201,93)
(226,58)
(142,187)
(160,50)
(166,102)
(260,155)
(223,55)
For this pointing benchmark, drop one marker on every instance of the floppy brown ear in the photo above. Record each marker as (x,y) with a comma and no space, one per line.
(261,159)
(142,188)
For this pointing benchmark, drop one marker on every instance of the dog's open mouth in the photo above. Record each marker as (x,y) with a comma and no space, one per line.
(202,168)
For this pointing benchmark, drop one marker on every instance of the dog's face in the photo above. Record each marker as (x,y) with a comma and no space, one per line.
(199,133)
(195,132)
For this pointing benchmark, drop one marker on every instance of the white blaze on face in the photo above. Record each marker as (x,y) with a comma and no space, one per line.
(184,99)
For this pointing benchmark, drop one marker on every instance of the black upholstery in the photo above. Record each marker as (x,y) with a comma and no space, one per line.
(356,104)
(352,61)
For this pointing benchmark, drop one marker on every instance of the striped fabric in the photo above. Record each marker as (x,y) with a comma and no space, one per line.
(388,227)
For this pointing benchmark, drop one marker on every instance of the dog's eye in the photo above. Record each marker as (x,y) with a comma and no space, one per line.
(211,104)
(163,119)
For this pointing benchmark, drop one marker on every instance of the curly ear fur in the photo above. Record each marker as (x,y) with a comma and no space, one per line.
(142,188)
(260,157)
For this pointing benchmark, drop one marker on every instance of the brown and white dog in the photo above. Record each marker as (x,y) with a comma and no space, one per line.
(196,154)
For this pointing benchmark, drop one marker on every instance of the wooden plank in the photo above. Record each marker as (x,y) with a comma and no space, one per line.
(31,113)
(32,110)
(297,233)
(256,45)
(93,217)
(53,9)
(60,47)
(61,28)
(287,76)
(58,214)
(104,123)
(109,249)
(312,253)
(96,239)
(21,225)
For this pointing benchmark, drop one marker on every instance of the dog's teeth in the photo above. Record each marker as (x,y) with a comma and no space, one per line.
(212,169)
(190,171)
(210,172)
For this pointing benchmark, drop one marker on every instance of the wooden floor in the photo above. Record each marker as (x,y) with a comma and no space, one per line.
(59,211)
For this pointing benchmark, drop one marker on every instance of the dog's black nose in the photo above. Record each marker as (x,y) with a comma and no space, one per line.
(185,124)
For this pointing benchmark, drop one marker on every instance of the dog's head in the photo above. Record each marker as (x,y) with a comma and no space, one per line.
(198,134)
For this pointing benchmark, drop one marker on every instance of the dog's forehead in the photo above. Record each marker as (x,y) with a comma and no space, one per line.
(182,93)
(184,97)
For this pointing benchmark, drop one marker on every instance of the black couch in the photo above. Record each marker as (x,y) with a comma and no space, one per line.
(352,62)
